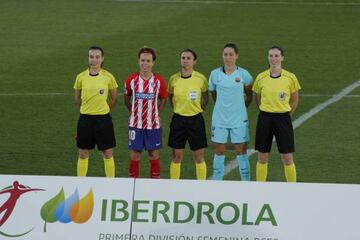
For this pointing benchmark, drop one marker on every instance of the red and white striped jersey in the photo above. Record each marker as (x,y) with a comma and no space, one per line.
(145,95)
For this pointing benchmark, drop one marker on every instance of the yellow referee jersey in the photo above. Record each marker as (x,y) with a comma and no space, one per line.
(94,91)
(276,92)
(187,93)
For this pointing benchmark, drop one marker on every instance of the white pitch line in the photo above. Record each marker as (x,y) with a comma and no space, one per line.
(244,2)
(300,120)
(234,164)
(328,95)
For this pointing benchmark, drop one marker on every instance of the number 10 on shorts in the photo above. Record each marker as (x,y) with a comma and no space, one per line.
(132,135)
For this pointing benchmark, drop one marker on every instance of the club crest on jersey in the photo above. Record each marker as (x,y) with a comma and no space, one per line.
(237,79)
(152,84)
(282,96)
(102,91)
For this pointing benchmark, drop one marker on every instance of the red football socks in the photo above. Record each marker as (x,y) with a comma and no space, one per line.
(155,168)
(134,169)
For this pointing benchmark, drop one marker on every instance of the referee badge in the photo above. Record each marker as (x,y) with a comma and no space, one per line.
(237,79)
(101,91)
(192,95)
(282,96)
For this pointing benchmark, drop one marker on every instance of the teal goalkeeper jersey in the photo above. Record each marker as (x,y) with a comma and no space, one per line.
(230,110)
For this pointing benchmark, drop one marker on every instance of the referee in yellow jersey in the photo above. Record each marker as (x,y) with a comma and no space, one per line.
(277,97)
(188,94)
(95,126)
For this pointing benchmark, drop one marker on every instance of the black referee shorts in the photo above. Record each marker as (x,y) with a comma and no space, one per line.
(278,125)
(192,129)
(95,129)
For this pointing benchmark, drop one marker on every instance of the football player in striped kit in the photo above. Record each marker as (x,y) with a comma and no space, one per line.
(145,97)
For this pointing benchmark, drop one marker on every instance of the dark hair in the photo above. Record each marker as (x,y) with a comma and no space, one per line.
(190,51)
(278,48)
(97,48)
(233,46)
(147,50)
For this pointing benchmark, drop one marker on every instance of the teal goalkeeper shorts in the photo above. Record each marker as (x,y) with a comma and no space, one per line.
(237,135)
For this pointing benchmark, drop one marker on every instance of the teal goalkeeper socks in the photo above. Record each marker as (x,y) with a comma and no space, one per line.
(244,167)
(218,166)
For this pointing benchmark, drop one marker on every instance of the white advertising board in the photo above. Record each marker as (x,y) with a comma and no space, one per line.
(67,208)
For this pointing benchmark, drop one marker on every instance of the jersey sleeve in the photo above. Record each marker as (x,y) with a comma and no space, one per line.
(170,87)
(205,86)
(212,86)
(295,86)
(256,87)
(127,86)
(112,83)
(77,84)
(162,92)
(248,79)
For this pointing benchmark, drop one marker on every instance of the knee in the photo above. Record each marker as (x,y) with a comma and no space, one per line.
(199,159)
(135,156)
(220,152)
(198,155)
(263,157)
(177,157)
(220,149)
(83,153)
(241,149)
(153,155)
(108,153)
(287,159)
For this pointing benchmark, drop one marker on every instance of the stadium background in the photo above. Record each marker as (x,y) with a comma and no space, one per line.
(44,45)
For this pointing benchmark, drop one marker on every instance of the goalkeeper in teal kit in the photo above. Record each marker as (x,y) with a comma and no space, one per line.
(231,89)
